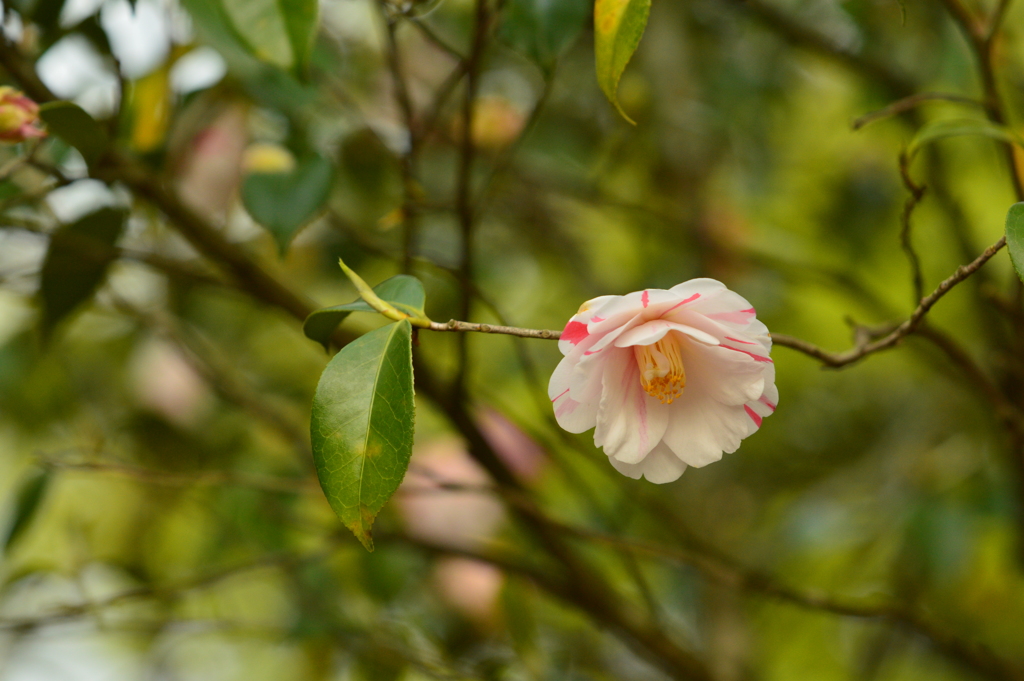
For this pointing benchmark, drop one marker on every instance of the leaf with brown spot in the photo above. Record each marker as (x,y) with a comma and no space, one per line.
(362,425)
(618,27)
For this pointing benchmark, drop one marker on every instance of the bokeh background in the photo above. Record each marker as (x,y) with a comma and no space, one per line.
(163,518)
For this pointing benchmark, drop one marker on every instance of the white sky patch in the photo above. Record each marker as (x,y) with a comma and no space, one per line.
(198,70)
(73,69)
(76,11)
(140,39)
(79,198)
(13,28)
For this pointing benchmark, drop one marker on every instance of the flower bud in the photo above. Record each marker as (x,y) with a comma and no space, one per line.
(19,116)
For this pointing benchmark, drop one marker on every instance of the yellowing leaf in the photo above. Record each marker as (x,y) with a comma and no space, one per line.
(1015,237)
(618,27)
(279,32)
(362,425)
(151,106)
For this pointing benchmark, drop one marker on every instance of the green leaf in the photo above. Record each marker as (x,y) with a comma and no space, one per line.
(543,29)
(1015,237)
(76,263)
(279,32)
(301,19)
(29,499)
(284,203)
(362,425)
(72,124)
(404,292)
(214,27)
(956,127)
(618,27)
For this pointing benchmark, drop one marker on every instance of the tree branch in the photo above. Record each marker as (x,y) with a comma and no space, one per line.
(730,573)
(454,325)
(464,181)
(916,192)
(409,209)
(981,36)
(793,32)
(170,479)
(909,103)
(840,359)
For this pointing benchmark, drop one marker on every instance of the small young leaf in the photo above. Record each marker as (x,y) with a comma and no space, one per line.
(543,29)
(279,32)
(300,18)
(955,127)
(262,28)
(77,263)
(72,124)
(618,27)
(404,292)
(284,203)
(362,425)
(1015,237)
(29,498)
(213,26)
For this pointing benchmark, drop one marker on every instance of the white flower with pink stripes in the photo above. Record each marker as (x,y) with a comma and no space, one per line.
(668,379)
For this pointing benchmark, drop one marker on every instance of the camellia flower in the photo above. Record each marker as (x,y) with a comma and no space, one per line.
(19,116)
(667,378)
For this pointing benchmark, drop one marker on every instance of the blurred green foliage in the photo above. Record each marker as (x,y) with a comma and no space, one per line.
(182,532)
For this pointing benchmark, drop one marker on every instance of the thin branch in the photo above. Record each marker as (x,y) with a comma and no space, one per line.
(800,35)
(464,181)
(566,589)
(76,611)
(730,573)
(434,38)
(505,160)
(972,26)
(832,359)
(444,91)
(916,194)
(996,20)
(169,479)
(410,218)
(171,267)
(839,359)
(726,571)
(220,375)
(454,325)
(981,36)
(1004,408)
(909,103)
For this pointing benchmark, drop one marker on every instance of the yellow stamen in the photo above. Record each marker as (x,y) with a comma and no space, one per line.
(661,368)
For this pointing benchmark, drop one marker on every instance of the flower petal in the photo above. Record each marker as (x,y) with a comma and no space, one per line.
(700,429)
(573,413)
(653,331)
(660,466)
(702,285)
(722,373)
(630,423)
(581,318)
(765,405)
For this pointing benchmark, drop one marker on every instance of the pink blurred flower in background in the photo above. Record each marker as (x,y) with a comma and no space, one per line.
(667,378)
(19,116)
(462,519)
(446,500)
